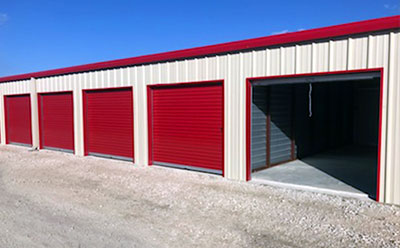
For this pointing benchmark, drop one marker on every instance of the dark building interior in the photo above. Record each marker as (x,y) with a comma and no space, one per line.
(331,126)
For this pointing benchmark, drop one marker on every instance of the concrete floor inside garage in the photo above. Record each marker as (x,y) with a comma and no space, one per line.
(348,170)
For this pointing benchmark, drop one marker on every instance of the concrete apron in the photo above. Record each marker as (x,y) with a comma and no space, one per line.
(361,195)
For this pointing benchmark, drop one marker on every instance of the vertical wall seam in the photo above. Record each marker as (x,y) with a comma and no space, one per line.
(384,135)
(349,53)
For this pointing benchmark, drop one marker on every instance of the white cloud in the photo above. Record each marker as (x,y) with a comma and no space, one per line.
(3,18)
(391,6)
(285,31)
(280,32)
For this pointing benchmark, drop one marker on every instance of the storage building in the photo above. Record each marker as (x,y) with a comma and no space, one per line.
(320,106)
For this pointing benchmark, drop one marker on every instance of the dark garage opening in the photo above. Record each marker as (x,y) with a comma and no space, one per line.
(317,131)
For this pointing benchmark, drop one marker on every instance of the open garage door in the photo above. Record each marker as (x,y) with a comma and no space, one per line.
(18,119)
(186,126)
(108,117)
(56,121)
(317,131)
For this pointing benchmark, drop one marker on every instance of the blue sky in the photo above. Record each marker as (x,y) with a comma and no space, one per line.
(42,35)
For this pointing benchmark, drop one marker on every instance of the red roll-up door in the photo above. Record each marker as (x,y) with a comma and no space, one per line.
(109,123)
(186,126)
(56,121)
(18,119)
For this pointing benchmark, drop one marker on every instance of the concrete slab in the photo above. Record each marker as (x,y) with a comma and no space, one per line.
(348,170)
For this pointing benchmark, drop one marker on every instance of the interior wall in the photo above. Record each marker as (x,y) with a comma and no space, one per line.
(329,123)
(366,113)
(258,128)
(342,113)
(277,100)
(281,130)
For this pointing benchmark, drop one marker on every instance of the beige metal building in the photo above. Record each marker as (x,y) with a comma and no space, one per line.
(212,95)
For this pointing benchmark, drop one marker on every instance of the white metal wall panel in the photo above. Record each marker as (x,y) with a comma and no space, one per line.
(247,72)
(232,112)
(378,50)
(356,52)
(392,191)
(213,67)
(288,60)
(320,56)
(303,58)
(78,113)
(2,117)
(34,113)
(259,63)
(54,84)
(273,62)
(378,56)
(202,69)
(140,115)
(191,70)
(17,87)
(338,54)
(164,72)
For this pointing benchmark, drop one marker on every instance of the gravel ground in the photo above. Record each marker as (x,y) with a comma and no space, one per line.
(51,199)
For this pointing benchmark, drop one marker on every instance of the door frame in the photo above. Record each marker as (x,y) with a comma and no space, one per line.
(150,88)
(40,94)
(250,80)
(85,126)
(6,112)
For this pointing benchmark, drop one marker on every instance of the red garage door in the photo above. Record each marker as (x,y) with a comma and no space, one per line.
(109,123)
(186,126)
(56,121)
(18,119)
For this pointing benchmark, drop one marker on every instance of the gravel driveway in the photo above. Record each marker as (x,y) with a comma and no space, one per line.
(52,199)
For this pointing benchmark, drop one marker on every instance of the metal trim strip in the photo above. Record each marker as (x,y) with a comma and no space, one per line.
(188,167)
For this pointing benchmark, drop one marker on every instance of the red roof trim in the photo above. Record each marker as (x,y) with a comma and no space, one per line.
(385,23)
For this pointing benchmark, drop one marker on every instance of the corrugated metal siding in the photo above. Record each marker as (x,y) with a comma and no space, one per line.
(19,87)
(392,174)
(345,53)
(2,120)
(280,101)
(258,128)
